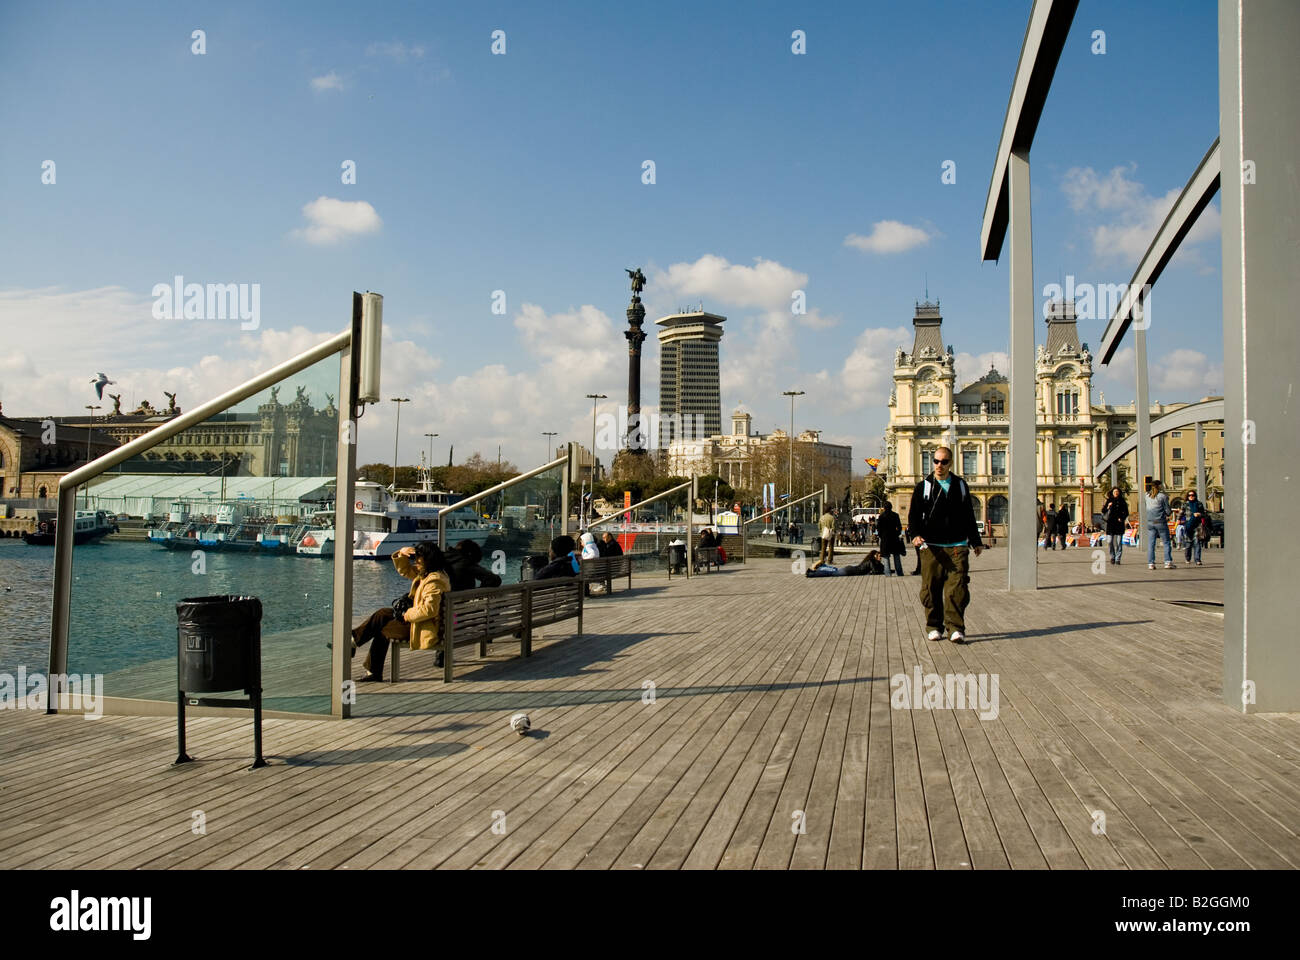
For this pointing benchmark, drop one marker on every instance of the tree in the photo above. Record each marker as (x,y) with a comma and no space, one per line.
(726,493)
(875,493)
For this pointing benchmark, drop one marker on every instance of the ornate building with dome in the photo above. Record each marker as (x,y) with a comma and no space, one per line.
(927,410)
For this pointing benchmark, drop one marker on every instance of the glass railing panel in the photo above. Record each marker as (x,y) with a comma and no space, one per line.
(220,509)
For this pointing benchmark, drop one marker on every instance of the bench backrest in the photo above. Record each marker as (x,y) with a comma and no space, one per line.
(602,568)
(489,612)
(554,600)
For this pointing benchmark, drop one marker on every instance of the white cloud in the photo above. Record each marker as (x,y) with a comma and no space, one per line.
(397,50)
(1137,215)
(889,236)
(330,81)
(868,372)
(767,284)
(1187,375)
(969,367)
(1115,191)
(332,220)
(1182,375)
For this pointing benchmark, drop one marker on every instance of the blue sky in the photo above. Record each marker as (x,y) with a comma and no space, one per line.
(523,173)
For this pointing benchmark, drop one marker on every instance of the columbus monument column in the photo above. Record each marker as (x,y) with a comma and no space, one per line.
(631,466)
(636,437)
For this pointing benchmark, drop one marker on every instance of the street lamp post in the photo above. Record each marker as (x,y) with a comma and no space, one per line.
(430,436)
(789,493)
(548,434)
(92,407)
(396,432)
(593,397)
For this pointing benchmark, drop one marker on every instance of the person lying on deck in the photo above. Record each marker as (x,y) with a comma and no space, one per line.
(870,564)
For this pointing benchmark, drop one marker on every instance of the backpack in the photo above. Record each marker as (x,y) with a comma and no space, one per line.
(1205,529)
(963,491)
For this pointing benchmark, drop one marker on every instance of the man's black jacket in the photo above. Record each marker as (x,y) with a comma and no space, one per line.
(937,518)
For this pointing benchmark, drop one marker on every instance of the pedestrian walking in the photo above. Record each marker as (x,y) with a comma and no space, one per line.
(941,524)
(827,530)
(1049,526)
(1157,505)
(890,530)
(1115,513)
(1062,525)
(1195,519)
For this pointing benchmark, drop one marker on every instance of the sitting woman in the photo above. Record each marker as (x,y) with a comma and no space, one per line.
(385,619)
(425,565)
(423,616)
(870,564)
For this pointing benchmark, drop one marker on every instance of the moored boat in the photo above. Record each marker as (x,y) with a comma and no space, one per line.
(88,526)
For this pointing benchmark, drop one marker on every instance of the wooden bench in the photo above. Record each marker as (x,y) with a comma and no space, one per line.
(489,613)
(605,569)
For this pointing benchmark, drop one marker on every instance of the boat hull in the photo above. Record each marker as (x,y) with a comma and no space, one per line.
(82,536)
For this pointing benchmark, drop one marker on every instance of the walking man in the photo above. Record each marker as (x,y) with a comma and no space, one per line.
(1049,525)
(1115,513)
(1157,505)
(1193,514)
(890,529)
(827,530)
(1062,525)
(941,524)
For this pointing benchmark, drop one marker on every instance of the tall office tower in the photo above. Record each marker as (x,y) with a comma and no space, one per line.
(690,401)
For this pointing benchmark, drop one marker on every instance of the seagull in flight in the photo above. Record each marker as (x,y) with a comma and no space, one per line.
(101,381)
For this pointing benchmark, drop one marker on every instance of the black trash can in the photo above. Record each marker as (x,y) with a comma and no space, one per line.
(219,647)
(529,566)
(218,641)
(677,557)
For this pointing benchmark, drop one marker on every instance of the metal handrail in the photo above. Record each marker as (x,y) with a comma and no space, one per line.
(503,485)
(635,506)
(690,519)
(785,506)
(204,411)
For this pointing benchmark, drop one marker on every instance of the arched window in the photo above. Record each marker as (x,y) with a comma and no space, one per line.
(977,507)
(40,494)
(2,459)
(998,509)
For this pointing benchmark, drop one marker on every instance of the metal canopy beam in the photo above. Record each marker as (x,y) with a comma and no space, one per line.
(1007,211)
(1182,216)
(1049,24)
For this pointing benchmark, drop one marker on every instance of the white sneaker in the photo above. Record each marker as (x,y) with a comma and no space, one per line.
(958,637)
(1170,566)
(933,635)
(1151,566)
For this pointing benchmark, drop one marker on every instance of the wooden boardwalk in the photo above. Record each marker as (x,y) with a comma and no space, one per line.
(770,741)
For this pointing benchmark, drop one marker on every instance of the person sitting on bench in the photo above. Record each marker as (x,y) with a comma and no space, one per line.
(389,624)
(464,567)
(564,562)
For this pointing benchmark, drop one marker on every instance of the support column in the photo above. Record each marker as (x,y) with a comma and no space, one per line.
(1022,552)
(1143,404)
(1260,135)
(1200,464)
